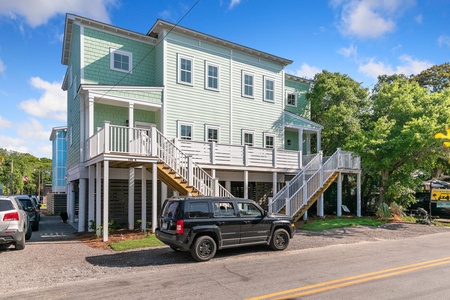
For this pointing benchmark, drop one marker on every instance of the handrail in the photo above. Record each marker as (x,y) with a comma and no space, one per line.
(184,166)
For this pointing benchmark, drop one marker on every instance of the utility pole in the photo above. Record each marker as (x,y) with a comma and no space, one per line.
(39,185)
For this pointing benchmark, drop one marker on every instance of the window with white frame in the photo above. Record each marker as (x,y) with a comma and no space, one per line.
(212,134)
(185,131)
(291,99)
(248,138)
(269,90)
(185,70)
(269,140)
(121,60)
(212,76)
(247,84)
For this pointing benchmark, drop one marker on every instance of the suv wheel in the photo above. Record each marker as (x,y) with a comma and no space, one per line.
(280,239)
(204,248)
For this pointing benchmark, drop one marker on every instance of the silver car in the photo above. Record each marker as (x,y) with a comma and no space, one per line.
(14,224)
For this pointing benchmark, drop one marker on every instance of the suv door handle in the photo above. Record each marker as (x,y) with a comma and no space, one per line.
(220,223)
(246,222)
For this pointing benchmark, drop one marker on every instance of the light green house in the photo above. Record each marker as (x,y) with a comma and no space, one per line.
(179,112)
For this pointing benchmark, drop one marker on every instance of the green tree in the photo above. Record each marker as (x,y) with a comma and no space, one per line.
(436,78)
(339,104)
(399,139)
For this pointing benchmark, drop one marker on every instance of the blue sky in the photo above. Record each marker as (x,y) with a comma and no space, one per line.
(360,38)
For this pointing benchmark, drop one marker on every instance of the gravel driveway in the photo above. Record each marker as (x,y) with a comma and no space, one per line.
(53,255)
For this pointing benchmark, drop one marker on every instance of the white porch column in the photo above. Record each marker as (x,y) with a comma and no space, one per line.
(71,206)
(339,196)
(300,147)
(308,143)
(154,197)
(98,199)
(131,183)
(91,116)
(320,206)
(246,184)
(358,194)
(228,185)
(163,193)
(144,200)
(130,115)
(305,215)
(105,199)
(319,145)
(91,197)
(82,206)
(274,183)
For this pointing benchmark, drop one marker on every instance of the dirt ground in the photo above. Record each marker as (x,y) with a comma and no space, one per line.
(90,239)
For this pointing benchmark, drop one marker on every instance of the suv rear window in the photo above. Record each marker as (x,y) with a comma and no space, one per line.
(26,203)
(6,205)
(172,209)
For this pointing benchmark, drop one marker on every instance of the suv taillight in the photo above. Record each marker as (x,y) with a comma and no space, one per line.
(180,227)
(14,216)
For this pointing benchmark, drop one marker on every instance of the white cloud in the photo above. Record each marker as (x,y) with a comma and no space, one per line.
(234,3)
(38,12)
(32,129)
(52,104)
(351,51)
(4,123)
(307,71)
(444,40)
(408,66)
(15,144)
(370,18)
(2,67)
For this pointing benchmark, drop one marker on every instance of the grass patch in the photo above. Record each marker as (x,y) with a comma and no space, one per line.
(341,222)
(147,241)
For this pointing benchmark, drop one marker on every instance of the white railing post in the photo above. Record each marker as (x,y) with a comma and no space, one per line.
(106,139)
(213,153)
(190,172)
(153,141)
(321,169)
(270,208)
(300,159)
(216,187)
(288,207)
(246,155)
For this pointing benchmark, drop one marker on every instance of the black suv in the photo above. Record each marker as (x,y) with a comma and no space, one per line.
(33,209)
(204,225)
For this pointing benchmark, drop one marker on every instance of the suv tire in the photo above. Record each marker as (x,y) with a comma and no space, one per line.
(204,248)
(280,240)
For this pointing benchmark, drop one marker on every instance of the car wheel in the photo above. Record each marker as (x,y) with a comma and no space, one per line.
(204,248)
(20,245)
(28,234)
(280,240)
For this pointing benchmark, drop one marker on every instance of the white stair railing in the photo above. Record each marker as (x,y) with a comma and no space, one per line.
(184,166)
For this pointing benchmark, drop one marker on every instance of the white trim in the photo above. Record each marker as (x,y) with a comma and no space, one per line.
(243,133)
(265,79)
(295,100)
(272,135)
(243,85)
(207,127)
(82,66)
(207,65)
(113,51)
(188,58)
(183,123)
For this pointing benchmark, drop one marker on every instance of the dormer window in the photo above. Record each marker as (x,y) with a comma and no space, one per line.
(121,60)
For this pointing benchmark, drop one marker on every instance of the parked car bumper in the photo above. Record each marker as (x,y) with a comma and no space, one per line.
(171,240)
(10,236)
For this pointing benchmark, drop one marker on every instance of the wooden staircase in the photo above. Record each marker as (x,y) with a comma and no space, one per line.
(175,182)
(316,196)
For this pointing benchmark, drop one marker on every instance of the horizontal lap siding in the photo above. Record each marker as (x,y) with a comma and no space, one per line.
(196,104)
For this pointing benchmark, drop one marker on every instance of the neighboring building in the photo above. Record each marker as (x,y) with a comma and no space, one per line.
(185,113)
(59,159)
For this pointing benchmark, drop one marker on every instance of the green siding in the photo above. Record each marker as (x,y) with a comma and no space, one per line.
(303,108)
(97,45)
(73,103)
(119,115)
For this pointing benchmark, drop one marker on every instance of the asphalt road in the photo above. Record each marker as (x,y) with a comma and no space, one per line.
(361,263)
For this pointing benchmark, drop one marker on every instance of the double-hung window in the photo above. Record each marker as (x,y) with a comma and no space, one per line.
(269,140)
(212,134)
(185,70)
(248,82)
(248,138)
(269,90)
(121,60)
(291,99)
(212,77)
(185,131)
